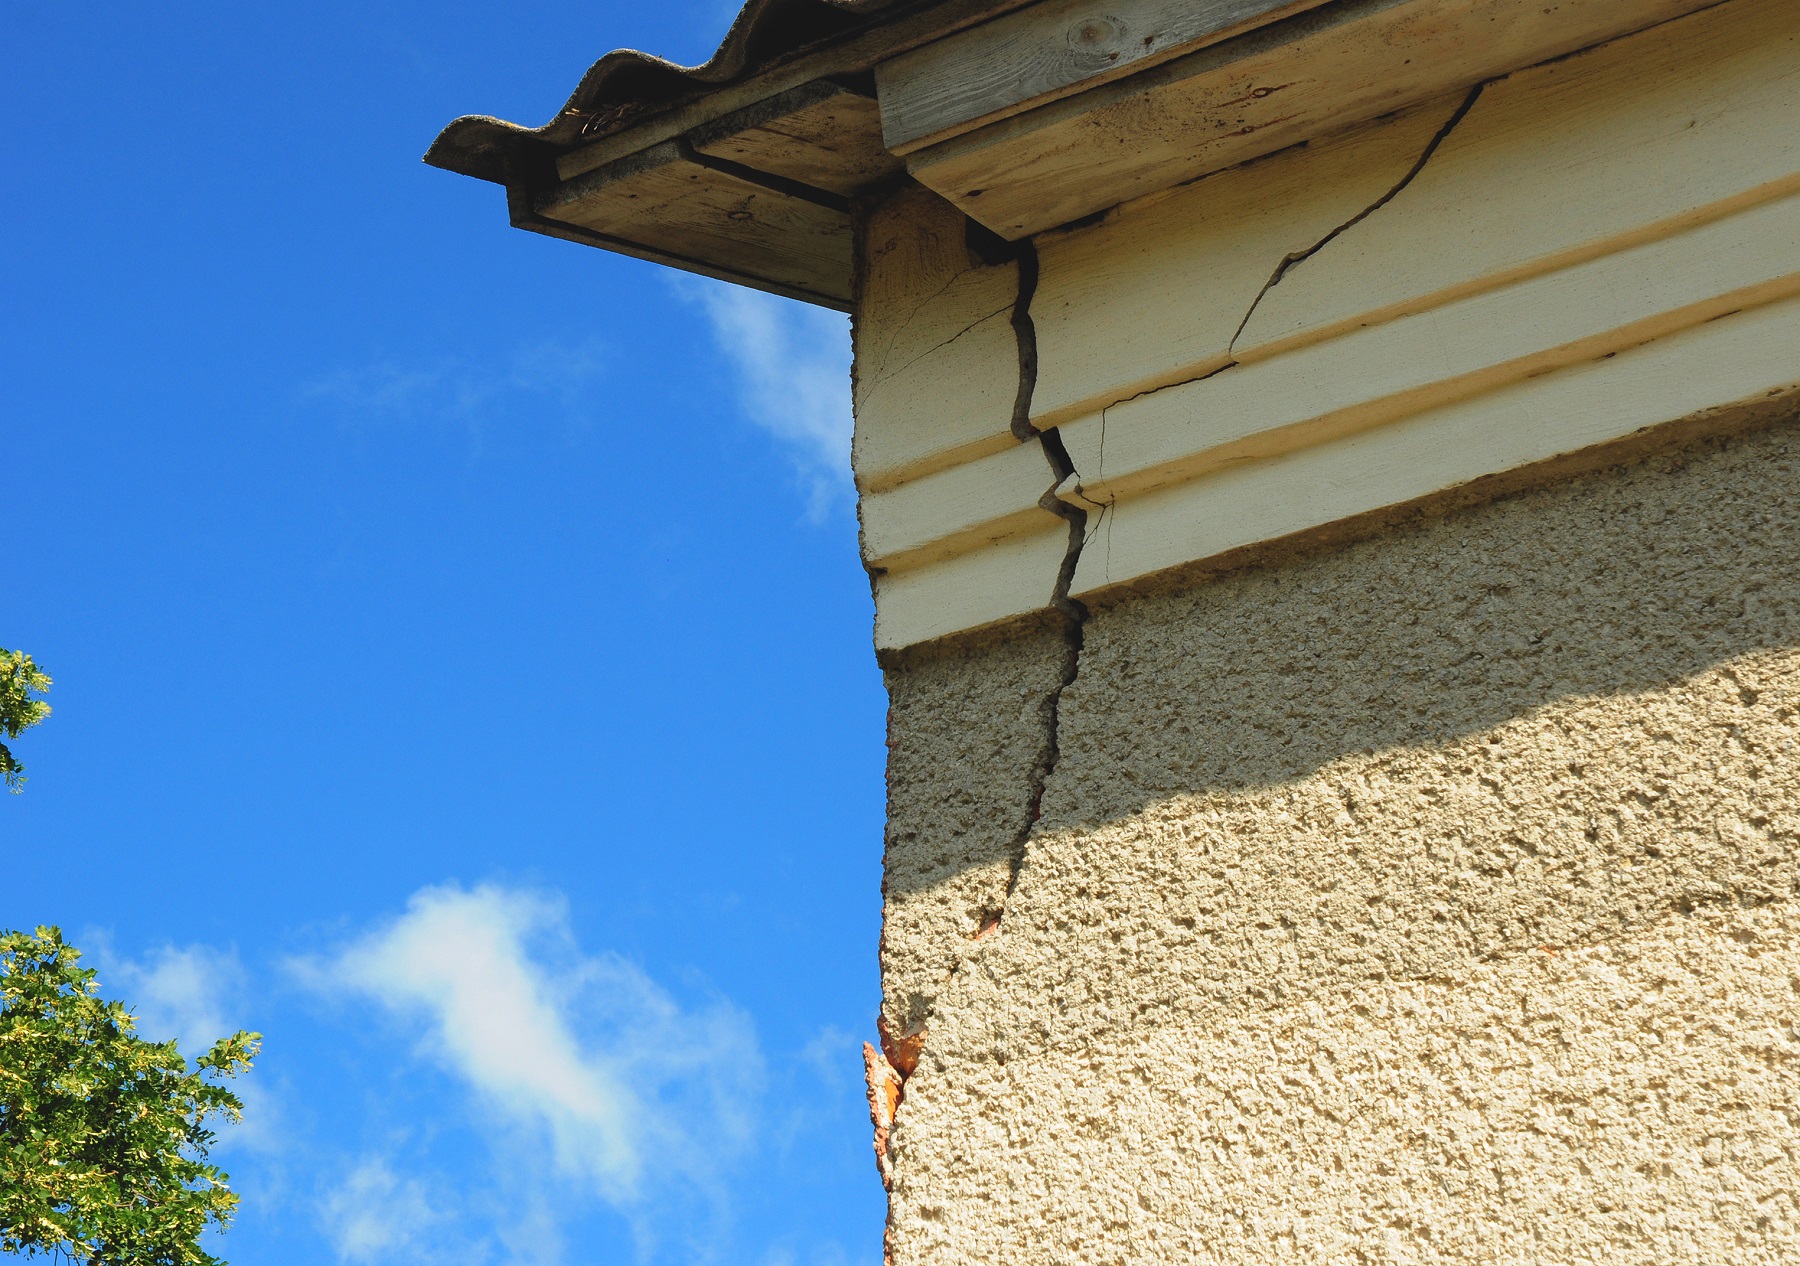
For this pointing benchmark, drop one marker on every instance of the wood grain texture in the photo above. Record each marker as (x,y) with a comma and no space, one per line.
(663,200)
(1476,346)
(820,135)
(1598,247)
(1276,86)
(1046,51)
(1373,378)
(1692,120)
(1640,139)
(853,56)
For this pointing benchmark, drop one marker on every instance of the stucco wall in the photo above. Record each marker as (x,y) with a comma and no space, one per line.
(969,746)
(1431,898)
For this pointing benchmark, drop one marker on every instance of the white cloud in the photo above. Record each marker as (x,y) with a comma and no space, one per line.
(600,1076)
(375,1214)
(184,995)
(194,996)
(463,390)
(791,363)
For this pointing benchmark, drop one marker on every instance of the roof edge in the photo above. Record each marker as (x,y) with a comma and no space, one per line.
(625,86)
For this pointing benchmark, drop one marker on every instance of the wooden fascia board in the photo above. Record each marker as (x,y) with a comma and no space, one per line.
(1280,84)
(1047,51)
(854,56)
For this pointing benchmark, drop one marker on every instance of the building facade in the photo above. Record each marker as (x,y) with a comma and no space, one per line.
(1330,478)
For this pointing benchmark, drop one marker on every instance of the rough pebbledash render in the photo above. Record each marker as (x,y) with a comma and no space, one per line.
(1431,898)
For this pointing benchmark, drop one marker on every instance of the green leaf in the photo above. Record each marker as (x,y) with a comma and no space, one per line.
(20,681)
(103,1141)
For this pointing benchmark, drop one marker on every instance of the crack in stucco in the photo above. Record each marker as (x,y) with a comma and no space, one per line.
(1066,499)
(1074,614)
(1083,526)
(900,1051)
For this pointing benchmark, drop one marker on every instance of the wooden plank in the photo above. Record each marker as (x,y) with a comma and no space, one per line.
(1014,578)
(1276,86)
(937,363)
(1639,139)
(853,56)
(1685,122)
(1354,384)
(1476,346)
(665,201)
(967,507)
(1044,52)
(1744,359)
(1155,294)
(820,135)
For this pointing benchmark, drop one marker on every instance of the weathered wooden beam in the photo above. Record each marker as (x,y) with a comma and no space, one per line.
(1272,87)
(1044,52)
(684,206)
(857,55)
(821,134)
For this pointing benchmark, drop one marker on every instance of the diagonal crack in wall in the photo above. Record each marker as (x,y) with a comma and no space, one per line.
(1072,491)
(1294,258)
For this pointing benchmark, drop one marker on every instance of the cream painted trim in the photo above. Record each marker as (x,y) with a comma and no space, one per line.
(960,509)
(1011,579)
(1363,380)
(1636,206)
(1625,144)
(1737,359)
(1477,345)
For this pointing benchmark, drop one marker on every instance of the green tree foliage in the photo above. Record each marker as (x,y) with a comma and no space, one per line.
(20,680)
(103,1141)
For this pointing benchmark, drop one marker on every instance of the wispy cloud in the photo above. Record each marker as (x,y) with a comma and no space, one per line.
(376,1215)
(604,1083)
(791,366)
(468,392)
(179,994)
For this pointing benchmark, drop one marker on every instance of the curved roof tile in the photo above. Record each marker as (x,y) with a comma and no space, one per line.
(625,85)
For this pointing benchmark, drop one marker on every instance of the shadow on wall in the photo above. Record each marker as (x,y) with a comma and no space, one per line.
(1542,721)
(1622,582)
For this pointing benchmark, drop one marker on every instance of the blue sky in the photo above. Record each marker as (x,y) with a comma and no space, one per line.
(462,661)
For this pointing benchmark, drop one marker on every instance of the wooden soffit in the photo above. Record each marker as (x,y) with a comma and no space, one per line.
(1026,116)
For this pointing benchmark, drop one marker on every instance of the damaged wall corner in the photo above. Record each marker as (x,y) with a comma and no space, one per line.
(1207,799)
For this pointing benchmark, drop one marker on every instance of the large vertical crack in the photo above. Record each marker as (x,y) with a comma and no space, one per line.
(1071,612)
(889,1068)
(893,1064)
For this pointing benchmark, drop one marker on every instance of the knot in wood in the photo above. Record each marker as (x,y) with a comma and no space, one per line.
(1097,36)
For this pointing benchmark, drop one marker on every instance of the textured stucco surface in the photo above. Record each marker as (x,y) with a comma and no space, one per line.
(967,753)
(1430,899)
